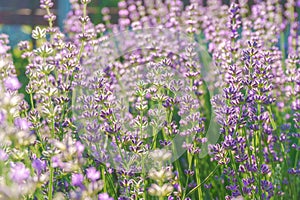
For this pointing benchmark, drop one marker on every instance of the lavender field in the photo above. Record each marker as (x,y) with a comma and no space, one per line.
(175,102)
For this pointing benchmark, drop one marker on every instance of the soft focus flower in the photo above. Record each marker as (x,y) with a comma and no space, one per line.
(12,83)
(77,180)
(104,196)
(3,155)
(19,173)
(160,191)
(39,165)
(22,124)
(56,162)
(160,175)
(160,155)
(92,174)
(79,147)
(2,117)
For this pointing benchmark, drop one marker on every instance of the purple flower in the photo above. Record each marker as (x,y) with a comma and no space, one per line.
(12,83)
(19,173)
(39,165)
(77,179)
(56,162)
(2,117)
(79,147)
(104,196)
(92,174)
(3,155)
(3,48)
(264,169)
(22,124)
(170,198)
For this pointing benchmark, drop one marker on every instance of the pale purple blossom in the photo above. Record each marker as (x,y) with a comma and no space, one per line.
(77,180)
(3,155)
(19,173)
(2,117)
(79,147)
(39,165)
(12,83)
(92,174)
(22,124)
(104,196)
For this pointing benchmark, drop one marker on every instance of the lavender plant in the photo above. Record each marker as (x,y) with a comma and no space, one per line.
(176,101)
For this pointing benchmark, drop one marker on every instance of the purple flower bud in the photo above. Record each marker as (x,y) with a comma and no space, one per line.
(12,83)
(18,172)
(170,198)
(122,4)
(148,96)
(105,11)
(104,196)
(46,3)
(132,8)
(92,174)
(264,169)
(123,13)
(296,105)
(208,186)
(24,45)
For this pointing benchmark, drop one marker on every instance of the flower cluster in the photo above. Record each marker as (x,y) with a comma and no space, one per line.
(175,101)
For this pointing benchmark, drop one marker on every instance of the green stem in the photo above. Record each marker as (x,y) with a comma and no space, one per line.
(233,165)
(103,178)
(258,145)
(190,159)
(31,101)
(198,179)
(204,181)
(296,159)
(50,186)
(50,21)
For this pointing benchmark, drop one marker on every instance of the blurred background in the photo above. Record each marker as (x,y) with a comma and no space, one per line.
(18,17)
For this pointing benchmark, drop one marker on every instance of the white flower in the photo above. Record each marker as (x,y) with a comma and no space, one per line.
(160,191)
(38,33)
(160,155)
(161,175)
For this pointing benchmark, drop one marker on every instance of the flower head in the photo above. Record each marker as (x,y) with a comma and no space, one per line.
(39,165)
(22,124)
(77,179)
(92,174)
(19,173)
(104,196)
(12,83)
(3,155)
(2,117)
